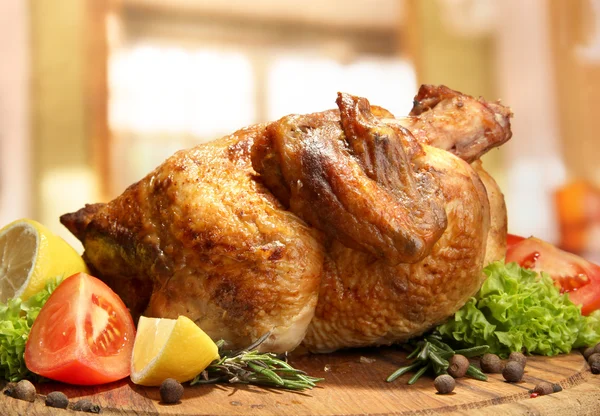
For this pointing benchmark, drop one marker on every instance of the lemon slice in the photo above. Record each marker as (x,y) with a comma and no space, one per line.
(170,348)
(30,255)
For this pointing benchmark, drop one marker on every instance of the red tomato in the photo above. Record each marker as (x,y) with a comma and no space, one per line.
(512,239)
(83,335)
(578,277)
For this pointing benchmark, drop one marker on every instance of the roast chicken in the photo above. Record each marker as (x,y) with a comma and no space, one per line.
(337,229)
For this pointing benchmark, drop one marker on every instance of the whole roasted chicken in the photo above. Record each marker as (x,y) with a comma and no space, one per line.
(337,229)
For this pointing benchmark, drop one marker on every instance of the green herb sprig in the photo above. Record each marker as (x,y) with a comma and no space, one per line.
(248,366)
(432,353)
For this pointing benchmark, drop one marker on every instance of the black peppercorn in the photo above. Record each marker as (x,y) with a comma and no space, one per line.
(594,362)
(23,390)
(588,351)
(556,387)
(491,363)
(544,388)
(513,372)
(518,357)
(444,384)
(57,399)
(458,365)
(171,391)
(85,405)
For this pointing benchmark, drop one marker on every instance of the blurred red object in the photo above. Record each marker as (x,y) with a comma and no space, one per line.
(578,210)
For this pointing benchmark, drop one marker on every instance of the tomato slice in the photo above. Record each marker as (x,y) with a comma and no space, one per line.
(512,239)
(571,273)
(83,334)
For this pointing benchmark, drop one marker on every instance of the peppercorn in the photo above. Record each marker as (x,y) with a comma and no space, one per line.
(513,372)
(594,362)
(597,347)
(556,388)
(171,391)
(85,405)
(57,399)
(544,388)
(491,363)
(9,390)
(23,390)
(458,365)
(444,384)
(587,352)
(518,357)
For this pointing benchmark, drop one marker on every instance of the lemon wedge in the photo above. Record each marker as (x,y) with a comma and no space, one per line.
(170,348)
(30,255)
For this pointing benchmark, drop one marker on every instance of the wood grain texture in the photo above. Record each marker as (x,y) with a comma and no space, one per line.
(352,387)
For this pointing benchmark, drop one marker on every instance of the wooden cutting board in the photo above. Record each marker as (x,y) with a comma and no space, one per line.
(353,386)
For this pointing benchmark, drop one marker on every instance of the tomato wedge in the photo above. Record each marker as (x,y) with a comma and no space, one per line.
(512,239)
(571,273)
(83,334)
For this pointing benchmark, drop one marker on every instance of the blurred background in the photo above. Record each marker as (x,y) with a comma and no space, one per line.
(95,93)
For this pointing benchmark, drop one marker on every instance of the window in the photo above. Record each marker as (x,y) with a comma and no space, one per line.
(176,83)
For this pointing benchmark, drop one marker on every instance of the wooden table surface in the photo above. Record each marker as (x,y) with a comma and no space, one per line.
(353,386)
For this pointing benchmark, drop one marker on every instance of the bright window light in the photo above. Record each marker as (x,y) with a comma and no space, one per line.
(166,90)
(303,84)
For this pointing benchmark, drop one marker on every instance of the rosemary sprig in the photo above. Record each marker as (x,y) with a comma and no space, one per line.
(432,353)
(248,366)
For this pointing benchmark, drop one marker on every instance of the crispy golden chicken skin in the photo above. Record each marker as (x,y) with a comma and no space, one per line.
(341,228)
(352,178)
(463,125)
(201,237)
(365,301)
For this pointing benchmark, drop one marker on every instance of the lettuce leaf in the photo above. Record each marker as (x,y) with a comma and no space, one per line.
(16,318)
(518,310)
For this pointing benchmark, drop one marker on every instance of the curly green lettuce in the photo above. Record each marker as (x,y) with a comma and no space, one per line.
(16,319)
(518,310)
